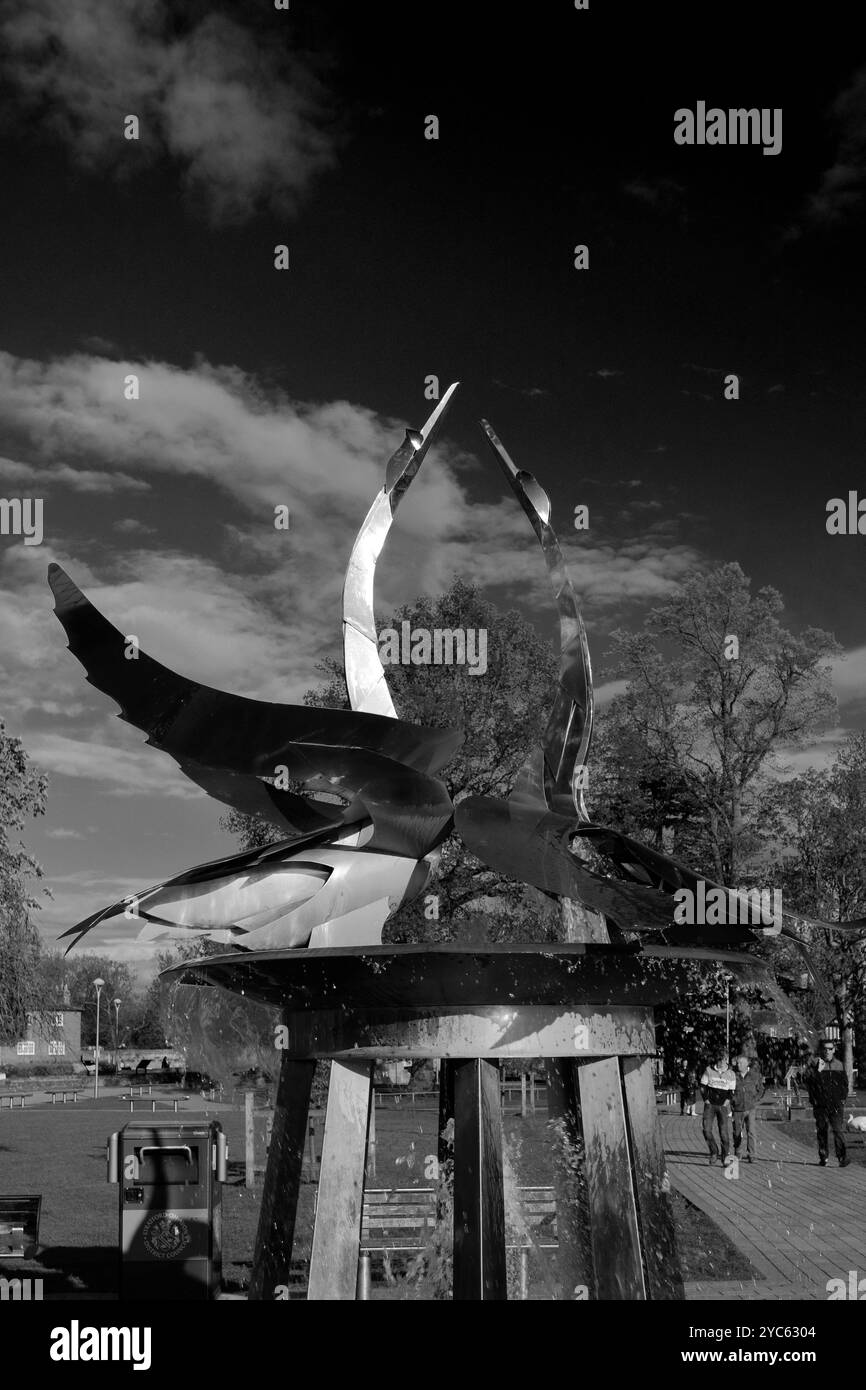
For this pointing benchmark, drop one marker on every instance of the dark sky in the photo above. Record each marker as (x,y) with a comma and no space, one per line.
(410,257)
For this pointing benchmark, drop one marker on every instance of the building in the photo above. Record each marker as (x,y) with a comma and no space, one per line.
(51,1035)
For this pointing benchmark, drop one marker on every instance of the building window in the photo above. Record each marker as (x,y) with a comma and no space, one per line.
(26,1049)
(57,1019)
(57,1049)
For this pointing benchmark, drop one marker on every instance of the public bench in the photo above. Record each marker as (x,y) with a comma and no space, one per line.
(401,1221)
(668,1095)
(12,1096)
(398,1219)
(151,1101)
(66,1093)
(19,1226)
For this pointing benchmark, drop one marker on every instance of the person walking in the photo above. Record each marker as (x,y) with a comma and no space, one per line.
(718,1085)
(827,1086)
(688,1091)
(749,1090)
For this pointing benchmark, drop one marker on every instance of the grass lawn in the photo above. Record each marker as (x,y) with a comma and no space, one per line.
(59,1151)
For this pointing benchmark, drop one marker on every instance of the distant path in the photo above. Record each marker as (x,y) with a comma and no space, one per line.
(797,1223)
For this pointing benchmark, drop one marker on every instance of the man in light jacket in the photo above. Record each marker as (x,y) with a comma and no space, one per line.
(749,1090)
(718,1085)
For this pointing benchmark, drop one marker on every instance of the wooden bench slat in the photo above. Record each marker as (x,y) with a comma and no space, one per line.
(390,1214)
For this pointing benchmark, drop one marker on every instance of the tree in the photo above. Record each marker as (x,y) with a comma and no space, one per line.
(717,687)
(501,715)
(22,795)
(822,817)
(145,1021)
(220,1032)
(73,976)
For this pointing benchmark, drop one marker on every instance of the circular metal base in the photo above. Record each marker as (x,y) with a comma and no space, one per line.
(451,977)
(532,1030)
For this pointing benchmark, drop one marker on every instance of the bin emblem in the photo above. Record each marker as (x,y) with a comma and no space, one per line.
(165,1235)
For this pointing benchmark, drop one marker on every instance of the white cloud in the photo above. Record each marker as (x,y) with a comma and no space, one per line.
(259,618)
(849,676)
(608,691)
(120,771)
(820,754)
(841,189)
(214,423)
(243,120)
(662,194)
(29,475)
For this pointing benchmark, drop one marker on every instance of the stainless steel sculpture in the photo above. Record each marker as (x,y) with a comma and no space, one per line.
(356,791)
(363,814)
(366,812)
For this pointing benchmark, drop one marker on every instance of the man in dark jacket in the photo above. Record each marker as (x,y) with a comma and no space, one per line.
(750,1088)
(827,1085)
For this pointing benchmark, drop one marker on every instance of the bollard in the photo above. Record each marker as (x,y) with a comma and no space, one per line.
(364,1278)
(249,1141)
(524,1275)
(371,1144)
(523,1094)
(311,1149)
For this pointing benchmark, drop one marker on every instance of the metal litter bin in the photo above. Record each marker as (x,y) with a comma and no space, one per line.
(170,1237)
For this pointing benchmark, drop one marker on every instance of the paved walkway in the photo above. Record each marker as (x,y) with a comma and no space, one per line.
(797,1223)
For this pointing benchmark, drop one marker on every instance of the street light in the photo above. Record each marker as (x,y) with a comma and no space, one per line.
(97,985)
(117,1003)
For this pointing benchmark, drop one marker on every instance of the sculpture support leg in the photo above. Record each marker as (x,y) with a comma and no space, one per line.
(445,1137)
(574,1268)
(479,1204)
(337,1234)
(658,1238)
(276,1230)
(445,1144)
(610,1190)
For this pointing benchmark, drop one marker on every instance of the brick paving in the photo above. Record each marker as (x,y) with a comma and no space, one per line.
(797,1223)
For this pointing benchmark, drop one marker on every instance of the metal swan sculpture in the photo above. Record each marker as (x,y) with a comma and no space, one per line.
(363,811)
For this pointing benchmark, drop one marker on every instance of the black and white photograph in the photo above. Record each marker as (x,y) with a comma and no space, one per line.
(433,668)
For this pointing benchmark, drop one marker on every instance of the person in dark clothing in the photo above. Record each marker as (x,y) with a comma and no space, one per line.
(717,1088)
(749,1090)
(827,1086)
(688,1091)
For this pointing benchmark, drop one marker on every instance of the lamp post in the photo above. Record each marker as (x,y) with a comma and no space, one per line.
(97,985)
(117,1003)
(728,1020)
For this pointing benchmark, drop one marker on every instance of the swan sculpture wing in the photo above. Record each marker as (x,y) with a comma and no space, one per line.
(553,777)
(365,675)
(362,805)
